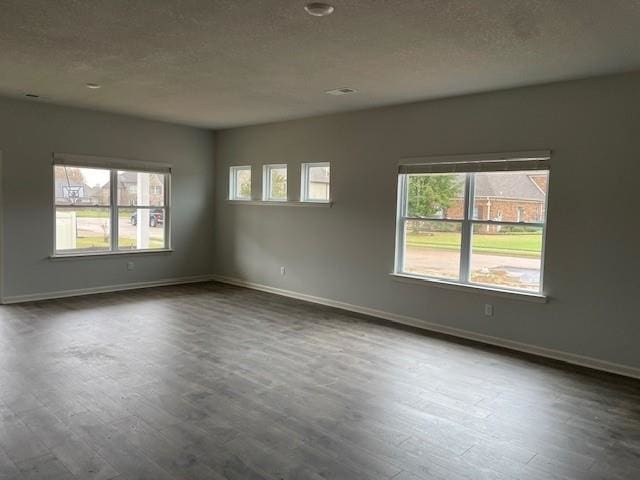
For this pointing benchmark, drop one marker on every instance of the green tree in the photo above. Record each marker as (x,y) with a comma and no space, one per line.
(430,194)
(244,177)
(278,185)
(69,175)
(245,189)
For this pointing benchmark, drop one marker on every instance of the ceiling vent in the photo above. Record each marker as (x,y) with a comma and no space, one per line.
(340,91)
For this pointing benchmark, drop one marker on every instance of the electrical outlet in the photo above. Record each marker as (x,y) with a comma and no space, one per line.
(131,266)
(488,310)
(283,271)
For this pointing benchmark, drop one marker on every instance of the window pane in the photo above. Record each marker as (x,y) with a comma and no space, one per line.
(510,196)
(436,195)
(318,183)
(241,178)
(278,183)
(140,188)
(141,228)
(81,186)
(506,256)
(83,229)
(432,249)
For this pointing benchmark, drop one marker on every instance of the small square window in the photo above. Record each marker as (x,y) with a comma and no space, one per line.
(316,182)
(240,183)
(275,183)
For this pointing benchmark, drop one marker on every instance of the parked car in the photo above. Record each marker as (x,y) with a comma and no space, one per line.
(156,217)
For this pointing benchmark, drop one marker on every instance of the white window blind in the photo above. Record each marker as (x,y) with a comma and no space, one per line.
(492,162)
(91,161)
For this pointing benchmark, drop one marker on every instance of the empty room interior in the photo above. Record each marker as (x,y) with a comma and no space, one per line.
(368,240)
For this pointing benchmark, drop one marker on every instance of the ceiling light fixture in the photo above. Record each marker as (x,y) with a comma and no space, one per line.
(340,91)
(93,86)
(319,9)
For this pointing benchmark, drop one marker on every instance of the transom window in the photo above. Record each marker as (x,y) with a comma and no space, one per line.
(240,183)
(480,223)
(102,210)
(316,182)
(274,185)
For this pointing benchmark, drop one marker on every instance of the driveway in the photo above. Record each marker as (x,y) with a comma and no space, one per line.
(519,272)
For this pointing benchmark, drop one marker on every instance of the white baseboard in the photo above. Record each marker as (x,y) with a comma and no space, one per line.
(32,297)
(571,358)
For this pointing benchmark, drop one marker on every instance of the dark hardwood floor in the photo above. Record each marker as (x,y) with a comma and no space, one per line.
(210,382)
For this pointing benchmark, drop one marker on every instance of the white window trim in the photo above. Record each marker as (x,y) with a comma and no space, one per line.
(113,207)
(304,182)
(266,182)
(274,203)
(233,184)
(467,223)
(471,288)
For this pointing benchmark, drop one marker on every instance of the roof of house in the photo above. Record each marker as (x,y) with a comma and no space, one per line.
(508,185)
(319,175)
(63,182)
(128,176)
(88,193)
(516,185)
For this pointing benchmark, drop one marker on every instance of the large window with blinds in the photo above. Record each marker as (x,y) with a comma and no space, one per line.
(474,220)
(106,206)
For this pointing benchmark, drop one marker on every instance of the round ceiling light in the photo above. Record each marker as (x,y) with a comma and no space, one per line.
(93,86)
(319,9)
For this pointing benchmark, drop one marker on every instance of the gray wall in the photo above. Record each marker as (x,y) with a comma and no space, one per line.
(30,132)
(345,253)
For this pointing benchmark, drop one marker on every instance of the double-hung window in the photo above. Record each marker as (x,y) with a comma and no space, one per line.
(475,221)
(107,207)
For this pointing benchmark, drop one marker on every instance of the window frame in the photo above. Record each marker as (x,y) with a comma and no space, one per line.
(304,181)
(266,182)
(113,208)
(233,176)
(467,223)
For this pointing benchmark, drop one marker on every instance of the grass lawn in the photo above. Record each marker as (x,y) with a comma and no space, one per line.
(100,213)
(100,242)
(515,244)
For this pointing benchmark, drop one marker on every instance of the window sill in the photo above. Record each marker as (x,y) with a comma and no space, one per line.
(68,256)
(498,292)
(274,203)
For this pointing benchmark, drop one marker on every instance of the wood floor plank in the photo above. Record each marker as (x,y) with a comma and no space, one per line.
(19,442)
(210,381)
(8,469)
(45,467)
(82,461)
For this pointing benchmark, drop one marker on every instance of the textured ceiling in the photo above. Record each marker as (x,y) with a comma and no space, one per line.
(226,63)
